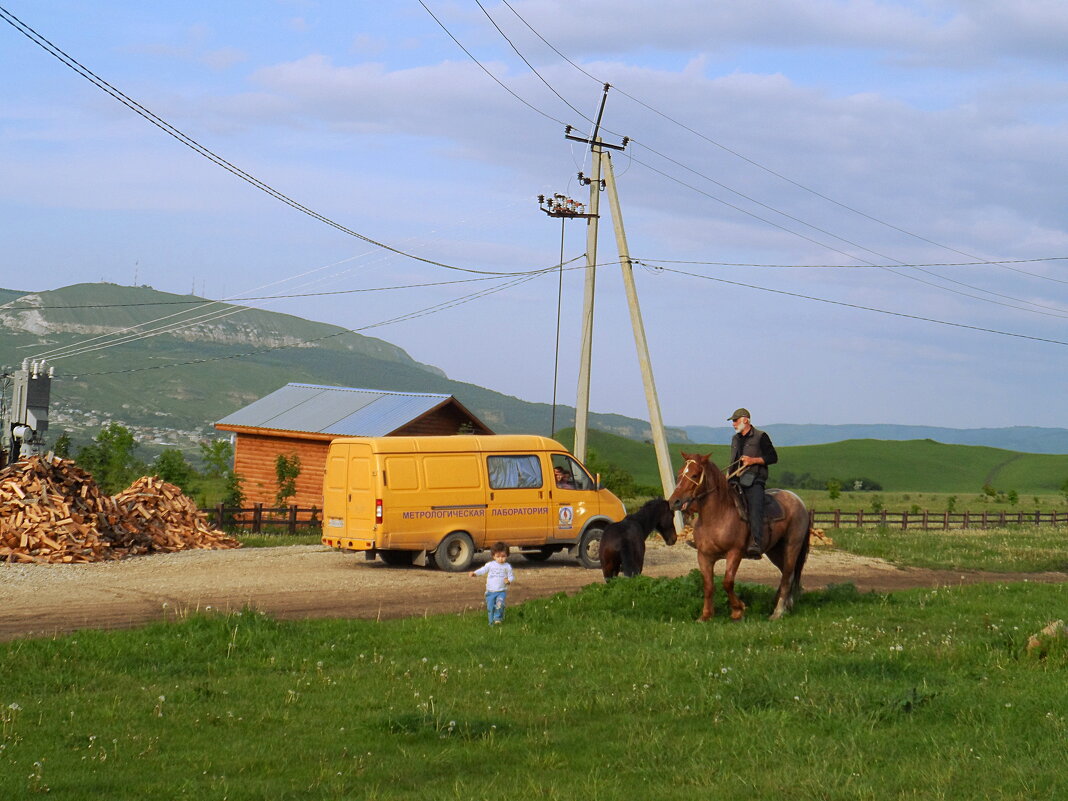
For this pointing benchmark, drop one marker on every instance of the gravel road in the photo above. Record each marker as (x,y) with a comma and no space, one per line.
(312,581)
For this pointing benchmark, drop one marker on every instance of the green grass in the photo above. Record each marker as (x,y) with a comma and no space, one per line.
(1018,549)
(614,693)
(915,466)
(307,537)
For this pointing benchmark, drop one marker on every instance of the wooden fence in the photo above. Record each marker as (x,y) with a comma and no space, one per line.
(260,519)
(928,521)
(288,519)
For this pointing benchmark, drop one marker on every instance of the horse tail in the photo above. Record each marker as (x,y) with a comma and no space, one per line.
(802,557)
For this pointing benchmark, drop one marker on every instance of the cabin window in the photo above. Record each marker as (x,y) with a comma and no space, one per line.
(514,472)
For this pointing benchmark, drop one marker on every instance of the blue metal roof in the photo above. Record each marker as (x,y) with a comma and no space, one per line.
(339,411)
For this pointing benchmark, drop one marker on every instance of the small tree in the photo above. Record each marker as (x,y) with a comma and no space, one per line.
(834,489)
(218,456)
(61,447)
(286,469)
(172,467)
(111,459)
(951,503)
(1014,497)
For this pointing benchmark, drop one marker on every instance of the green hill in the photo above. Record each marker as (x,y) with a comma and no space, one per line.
(186,379)
(909,466)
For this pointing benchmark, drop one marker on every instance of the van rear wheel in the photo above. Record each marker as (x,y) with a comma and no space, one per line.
(589,551)
(455,552)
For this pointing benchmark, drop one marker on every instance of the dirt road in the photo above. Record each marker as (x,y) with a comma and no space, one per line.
(310,581)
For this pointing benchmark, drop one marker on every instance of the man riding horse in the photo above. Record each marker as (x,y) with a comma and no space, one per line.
(751,454)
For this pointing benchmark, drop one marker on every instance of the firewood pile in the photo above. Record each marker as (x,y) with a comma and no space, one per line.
(167,518)
(52,511)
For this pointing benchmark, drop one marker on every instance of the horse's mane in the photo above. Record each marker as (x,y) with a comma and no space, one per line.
(648,514)
(714,477)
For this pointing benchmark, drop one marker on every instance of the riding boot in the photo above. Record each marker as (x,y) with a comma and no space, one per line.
(755,496)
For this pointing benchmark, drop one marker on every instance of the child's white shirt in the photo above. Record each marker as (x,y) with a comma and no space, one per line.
(497,574)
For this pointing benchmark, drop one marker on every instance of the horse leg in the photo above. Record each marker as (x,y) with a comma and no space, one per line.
(795,548)
(707,564)
(609,562)
(734,558)
(639,557)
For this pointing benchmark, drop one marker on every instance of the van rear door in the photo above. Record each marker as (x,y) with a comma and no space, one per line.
(349,496)
(518,507)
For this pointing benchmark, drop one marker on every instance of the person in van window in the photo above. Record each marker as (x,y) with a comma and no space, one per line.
(563,478)
(499,575)
(751,454)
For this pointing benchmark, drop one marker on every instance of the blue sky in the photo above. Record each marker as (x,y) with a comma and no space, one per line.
(842,139)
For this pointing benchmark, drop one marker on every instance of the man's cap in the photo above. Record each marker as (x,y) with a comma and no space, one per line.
(739,413)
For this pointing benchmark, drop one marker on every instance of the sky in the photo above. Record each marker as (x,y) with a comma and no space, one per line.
(843,211)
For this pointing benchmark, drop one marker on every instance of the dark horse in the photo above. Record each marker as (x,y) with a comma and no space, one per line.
(719,532)
(623,543)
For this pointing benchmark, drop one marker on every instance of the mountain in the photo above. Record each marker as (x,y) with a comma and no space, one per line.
(1025,439)
(215,358)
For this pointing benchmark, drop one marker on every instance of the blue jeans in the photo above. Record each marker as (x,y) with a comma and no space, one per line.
(495,606)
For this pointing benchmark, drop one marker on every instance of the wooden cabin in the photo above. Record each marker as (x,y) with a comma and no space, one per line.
(302,419)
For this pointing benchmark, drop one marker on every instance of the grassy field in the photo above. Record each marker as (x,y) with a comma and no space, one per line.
(1024,549)
(917,466)
(614,693)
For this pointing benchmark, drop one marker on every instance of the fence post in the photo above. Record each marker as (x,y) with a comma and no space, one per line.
(218,515)
(257,517)
(860,518)
(904,521)
(837,518)
(292,519)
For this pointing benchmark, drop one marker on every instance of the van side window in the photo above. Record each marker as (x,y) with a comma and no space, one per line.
(514,472)
(570,474)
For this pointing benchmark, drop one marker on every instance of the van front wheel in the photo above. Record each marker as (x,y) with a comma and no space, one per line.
(455,552)
(589,551)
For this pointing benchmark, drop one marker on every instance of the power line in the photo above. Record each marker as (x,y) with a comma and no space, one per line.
(855,305)
(1051,311)
(486,70)
(201,150)
(1004,262)
(434,309)
(8,307)
(1054,311)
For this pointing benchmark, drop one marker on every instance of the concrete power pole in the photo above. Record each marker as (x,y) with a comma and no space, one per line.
(656,421)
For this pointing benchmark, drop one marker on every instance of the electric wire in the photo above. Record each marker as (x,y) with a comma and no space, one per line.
(203,151)
(1051,311)
(424,312)
(1005,263)
(856,305)
(486,70)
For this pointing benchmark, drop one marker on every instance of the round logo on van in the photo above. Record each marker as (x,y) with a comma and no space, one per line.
(565,517)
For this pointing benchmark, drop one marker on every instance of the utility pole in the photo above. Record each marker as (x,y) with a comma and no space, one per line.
(582,400)
(602,165)
(656,421)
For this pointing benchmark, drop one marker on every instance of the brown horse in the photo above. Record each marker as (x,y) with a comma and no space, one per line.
(720,532)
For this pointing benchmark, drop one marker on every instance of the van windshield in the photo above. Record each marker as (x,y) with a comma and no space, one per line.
(514,472)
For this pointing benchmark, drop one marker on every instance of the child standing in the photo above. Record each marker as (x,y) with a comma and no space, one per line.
(499,575)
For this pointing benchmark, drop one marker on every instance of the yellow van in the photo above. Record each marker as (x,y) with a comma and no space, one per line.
(438,500)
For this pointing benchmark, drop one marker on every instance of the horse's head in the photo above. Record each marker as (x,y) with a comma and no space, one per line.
(691,482)
(665,522)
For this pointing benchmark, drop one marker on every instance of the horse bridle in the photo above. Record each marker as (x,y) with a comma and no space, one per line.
(698,483)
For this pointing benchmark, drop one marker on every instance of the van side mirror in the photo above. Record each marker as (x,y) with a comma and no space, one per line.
(597,482)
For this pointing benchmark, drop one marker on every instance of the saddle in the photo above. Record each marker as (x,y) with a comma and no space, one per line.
(773,511)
